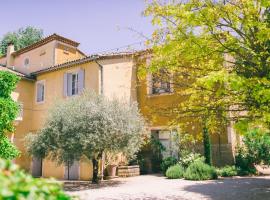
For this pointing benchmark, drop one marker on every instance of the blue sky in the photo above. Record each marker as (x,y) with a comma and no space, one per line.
(99,25)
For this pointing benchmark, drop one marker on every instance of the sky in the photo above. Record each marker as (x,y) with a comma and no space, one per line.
(99,25)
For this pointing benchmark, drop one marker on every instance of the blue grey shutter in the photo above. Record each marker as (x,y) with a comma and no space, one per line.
(65,85)
(69,84)
(80,80)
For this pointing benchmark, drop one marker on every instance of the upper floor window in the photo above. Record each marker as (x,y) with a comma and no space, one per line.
(40,91)
(26,62)
(73,82)
(161,83)
(20,113)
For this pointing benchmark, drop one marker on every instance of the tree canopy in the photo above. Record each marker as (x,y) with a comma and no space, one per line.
(218,53)
(21,38)
(8,113)
(86,126)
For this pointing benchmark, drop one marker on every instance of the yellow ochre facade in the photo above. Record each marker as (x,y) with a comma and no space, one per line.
(54,69)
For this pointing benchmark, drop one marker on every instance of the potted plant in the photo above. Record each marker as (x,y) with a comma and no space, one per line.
(111,163)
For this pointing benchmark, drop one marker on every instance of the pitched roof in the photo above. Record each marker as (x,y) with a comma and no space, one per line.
(45,41)
(24,76)
(83,60)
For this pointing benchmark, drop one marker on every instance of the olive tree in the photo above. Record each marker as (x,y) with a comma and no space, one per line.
(87,126)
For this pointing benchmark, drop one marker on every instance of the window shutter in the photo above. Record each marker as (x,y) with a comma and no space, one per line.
(69,84)
(80,80)
(65,84)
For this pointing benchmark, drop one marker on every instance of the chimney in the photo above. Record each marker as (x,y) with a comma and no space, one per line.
(10,58)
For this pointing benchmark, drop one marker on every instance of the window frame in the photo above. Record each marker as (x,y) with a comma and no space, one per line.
(76,83)
(26,65)
(150,86)
(44,89)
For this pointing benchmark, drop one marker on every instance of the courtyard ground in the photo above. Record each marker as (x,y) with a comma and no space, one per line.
(155,187)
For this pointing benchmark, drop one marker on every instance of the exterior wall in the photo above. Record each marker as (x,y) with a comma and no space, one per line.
(40,58)
(54,91)
(152,108)
(24,94)
(65,53)
(3,60)
(119,79)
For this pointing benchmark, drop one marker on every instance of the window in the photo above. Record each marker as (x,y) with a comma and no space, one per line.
(20,114)
(26,62)
(40,91)
(161,83)
(73,83)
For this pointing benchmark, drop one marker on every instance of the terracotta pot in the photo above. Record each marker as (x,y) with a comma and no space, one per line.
(111,169)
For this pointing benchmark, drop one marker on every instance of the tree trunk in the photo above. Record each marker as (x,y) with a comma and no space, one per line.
(95,171)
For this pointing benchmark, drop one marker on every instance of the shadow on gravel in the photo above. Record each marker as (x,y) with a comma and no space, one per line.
(85,185)
(244,188)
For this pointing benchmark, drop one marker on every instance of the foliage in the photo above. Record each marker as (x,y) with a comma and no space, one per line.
(8,113)
(175,172)
(156,153)
(88,125)
(166,163)
(20,38)
(227,171)
(218,51)
(243,162)
(15,184)
(7,149)
(207,147)
(189,158)
(8,107)
(200,171)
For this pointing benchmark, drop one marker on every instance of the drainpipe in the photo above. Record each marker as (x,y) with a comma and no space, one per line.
(101,76)
(101,92)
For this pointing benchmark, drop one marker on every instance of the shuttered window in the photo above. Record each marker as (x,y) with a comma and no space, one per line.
(40,91)
(73,83)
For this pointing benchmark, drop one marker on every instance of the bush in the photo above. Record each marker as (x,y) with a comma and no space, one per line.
(175,172)
(227,171)
(186,160)
(200,171)
(15,184)
(166,163)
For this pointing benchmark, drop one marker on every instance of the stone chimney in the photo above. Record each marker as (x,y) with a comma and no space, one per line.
(10,58)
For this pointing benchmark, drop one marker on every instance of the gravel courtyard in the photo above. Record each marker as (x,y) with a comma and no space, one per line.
(156,187)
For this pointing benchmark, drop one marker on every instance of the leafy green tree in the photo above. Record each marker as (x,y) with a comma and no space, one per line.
(20,38)
(8,113)
(218,52)
(87,126)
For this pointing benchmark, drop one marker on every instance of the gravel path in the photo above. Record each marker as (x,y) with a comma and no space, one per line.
(153,187)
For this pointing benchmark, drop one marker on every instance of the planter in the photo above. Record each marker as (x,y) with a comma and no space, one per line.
(111,170)
(128,171)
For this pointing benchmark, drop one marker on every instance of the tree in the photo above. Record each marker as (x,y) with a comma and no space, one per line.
(8,113)
(87,126)
(218,52)
(20,38)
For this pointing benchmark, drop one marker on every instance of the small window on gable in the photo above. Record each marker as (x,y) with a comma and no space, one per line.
(40,94)
(26,62)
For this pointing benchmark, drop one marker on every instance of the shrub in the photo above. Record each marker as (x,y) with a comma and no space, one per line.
(166,163)
(243,163)
(186,160)
(174,172)
(227,171)
(200,171)
(15,184)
